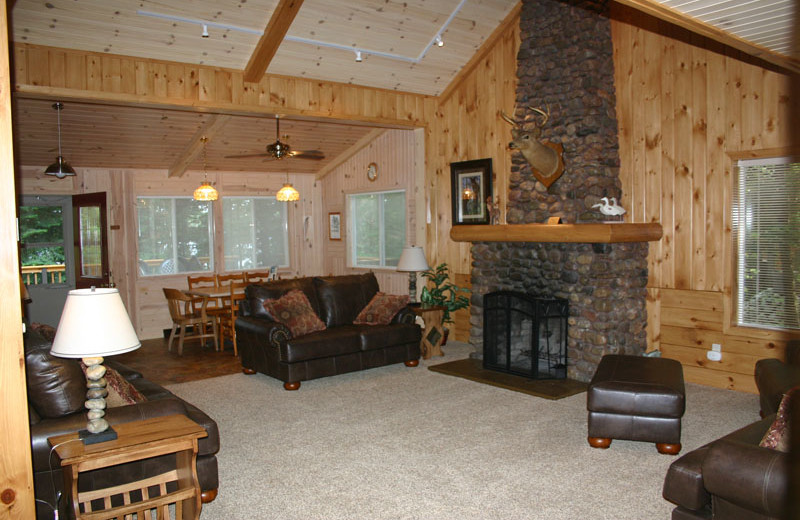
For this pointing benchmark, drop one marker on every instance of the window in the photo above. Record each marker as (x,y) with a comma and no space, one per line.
(42,224)
(175,235)
(256,232)
(377,228)
(766,226)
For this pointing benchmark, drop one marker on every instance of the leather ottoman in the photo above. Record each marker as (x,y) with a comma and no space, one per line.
(637,399)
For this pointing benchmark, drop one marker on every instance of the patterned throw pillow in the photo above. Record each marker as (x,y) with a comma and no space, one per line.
(777,437)
(294,310)
(120,391)
(381,309)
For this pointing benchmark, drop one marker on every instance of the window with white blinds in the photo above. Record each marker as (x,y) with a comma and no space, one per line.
(766,233)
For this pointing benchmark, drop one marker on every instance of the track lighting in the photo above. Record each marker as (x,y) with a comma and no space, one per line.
(439,41)
(205,31)
(358,56)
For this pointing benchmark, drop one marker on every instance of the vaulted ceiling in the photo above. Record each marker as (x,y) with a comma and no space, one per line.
(396,41)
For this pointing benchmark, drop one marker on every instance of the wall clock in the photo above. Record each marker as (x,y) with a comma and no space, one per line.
(372,171)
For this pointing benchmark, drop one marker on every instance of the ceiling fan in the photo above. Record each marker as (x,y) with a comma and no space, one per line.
(279,150)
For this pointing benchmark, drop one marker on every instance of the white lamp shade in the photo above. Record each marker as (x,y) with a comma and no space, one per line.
(412,259)
(94,323)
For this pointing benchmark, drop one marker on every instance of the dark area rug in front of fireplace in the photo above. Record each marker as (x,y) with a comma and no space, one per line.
(473,370)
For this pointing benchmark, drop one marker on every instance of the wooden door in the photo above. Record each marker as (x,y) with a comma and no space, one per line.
(90,237)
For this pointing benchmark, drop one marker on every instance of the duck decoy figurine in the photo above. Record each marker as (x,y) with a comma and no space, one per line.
(610,208)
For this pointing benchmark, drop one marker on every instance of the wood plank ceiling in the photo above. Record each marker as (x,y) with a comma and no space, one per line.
(396,39)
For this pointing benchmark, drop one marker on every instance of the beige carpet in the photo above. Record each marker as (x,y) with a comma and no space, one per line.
(408,443)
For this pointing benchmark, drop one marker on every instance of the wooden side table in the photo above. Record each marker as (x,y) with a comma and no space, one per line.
(433,335)
(136,441)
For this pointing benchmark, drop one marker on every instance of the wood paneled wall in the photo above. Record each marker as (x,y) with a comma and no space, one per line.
(685,106)
(468,126)
(143,296)
(394,153)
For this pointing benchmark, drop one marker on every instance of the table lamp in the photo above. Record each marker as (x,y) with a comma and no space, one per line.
(412,259)
(94,324)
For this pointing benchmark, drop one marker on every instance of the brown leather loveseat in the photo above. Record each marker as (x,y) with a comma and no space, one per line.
(56,395)
(267,346)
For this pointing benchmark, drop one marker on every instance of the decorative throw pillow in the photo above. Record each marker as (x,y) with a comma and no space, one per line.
(120,391)
(47,332)
(294,310)
(777,437)
(381,309)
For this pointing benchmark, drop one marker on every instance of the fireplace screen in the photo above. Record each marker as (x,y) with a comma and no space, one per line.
(525,335)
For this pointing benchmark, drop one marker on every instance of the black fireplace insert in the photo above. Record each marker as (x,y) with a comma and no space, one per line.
(525,335)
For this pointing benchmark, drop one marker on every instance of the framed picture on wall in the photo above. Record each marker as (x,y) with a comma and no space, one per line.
(335,226)
(471,185)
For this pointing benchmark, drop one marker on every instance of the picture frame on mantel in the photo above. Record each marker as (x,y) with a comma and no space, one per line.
(335,226)
(471,186)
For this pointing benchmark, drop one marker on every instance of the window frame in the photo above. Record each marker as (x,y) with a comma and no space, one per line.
(211,236)
(286,237)
(352,236)
(738,246)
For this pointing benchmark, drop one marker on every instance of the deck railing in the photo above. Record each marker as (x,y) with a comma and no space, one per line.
(43,274)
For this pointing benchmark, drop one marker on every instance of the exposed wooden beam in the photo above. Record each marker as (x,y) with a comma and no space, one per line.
(662,12)
(213,125)
(267,46)
(354,149)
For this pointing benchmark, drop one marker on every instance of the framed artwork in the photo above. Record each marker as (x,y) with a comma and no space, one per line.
(471,184)
(335,226)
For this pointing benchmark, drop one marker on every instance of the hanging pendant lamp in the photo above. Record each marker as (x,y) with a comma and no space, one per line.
(205,192)
(287,193)
(60,168)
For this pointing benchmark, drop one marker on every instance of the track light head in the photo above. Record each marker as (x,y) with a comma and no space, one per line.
(358,56)
(205,31)
(439,41)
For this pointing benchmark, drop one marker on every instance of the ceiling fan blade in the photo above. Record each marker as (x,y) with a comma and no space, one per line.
(314,155)
(263,154)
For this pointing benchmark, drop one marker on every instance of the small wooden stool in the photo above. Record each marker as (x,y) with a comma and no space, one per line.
(637,399)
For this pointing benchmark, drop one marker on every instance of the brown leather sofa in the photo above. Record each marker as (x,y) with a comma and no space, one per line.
(733,477)
(775,377)
(56,393)
(267,346)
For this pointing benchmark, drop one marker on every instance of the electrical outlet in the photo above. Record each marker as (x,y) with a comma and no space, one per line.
(716,347)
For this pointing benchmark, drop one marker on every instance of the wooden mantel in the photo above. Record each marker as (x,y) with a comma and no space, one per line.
(592,233)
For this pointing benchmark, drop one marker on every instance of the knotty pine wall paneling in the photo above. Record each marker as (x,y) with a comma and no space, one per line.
(686,107)
(395,154)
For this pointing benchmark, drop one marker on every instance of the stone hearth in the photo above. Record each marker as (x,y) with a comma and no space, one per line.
(565,63)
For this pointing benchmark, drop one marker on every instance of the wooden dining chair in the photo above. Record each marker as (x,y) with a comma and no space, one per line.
(183,317)
(227,320)
(257,276)
(202,281)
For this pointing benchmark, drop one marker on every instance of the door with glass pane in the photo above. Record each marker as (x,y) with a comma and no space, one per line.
(91,240)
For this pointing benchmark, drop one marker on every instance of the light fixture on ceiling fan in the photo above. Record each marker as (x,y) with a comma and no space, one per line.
(205,192)
(60,168)
(280,150)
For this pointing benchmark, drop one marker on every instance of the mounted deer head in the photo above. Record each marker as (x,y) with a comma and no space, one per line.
(544,157)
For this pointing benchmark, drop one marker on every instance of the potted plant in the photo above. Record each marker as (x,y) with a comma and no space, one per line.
(443,293)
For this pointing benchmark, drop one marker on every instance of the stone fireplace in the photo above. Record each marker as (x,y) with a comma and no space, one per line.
(565,63)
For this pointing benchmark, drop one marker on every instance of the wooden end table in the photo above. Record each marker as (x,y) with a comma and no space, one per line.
(433,335)
(136,441)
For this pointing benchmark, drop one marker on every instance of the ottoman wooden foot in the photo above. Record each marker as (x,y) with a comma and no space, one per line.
(668,449)
(291,385)
(599,442)
(412,362)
